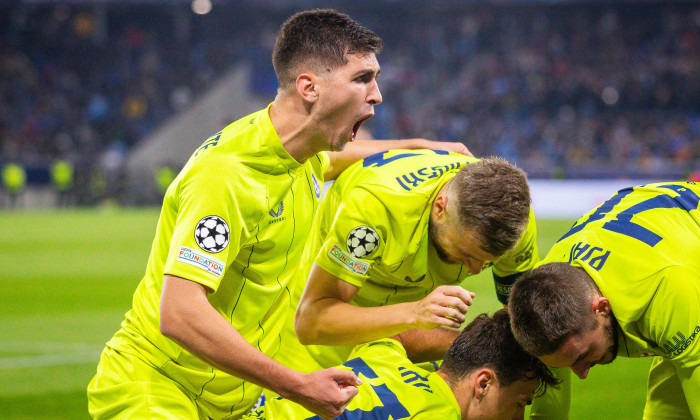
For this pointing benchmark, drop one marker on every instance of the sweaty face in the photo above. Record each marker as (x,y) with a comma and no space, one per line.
(455,244)
(581,352)
(347,96)
(508,402)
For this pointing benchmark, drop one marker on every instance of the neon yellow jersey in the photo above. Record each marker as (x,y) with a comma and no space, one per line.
(392,388)
(372,232)
(235,220)
(642,248)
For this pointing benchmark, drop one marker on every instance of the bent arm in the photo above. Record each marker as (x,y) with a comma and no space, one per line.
(187,317)
(426,345)
(360,149)
(325,316)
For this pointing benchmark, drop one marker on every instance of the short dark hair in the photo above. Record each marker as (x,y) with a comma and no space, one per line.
(489,342)
(322,36)
(494,199)
(550,303)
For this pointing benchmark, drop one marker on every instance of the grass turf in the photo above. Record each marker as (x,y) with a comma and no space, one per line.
(67,278)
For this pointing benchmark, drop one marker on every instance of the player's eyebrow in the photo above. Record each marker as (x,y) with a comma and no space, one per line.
(367,72)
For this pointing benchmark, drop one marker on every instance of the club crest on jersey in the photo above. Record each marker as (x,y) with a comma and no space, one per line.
(211,234)
(362,241)
(317,188)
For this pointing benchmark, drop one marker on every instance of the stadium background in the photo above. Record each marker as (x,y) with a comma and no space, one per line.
(593,93)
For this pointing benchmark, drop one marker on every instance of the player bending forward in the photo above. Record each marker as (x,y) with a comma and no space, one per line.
(625,279)
(485,375)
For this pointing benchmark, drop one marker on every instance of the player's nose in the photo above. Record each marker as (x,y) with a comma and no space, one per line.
(474,266)
(581,370)
(374,96)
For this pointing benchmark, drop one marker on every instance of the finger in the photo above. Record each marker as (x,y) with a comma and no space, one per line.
(441,321)
(345,377)
(459,292)
(450,313)
(348,394)
(458,304)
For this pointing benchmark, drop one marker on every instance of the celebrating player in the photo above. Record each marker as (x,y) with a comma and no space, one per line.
(207,314)
(625,280)
(485,375)
(395,236)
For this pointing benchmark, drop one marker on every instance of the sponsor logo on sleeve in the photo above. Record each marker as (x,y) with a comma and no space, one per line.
(677,345)
(347,261)
(199,260)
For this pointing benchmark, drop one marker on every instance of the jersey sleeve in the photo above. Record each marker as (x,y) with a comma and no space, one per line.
(356,237)
(209,227)
(382,348)
(673,318)
(673,322)
(513,263)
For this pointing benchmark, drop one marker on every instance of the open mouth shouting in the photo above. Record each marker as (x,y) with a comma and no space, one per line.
(358,124)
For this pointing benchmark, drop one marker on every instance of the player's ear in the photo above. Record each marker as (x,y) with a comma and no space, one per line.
(601,305)
(439,209)
(306,87)
(485,380)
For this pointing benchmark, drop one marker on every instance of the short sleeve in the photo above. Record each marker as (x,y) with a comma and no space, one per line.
(356,238)
(523,256)
(209,227)
(672,320)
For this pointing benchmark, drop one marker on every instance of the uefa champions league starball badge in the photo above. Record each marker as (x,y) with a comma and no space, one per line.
(212,234)
(362,241)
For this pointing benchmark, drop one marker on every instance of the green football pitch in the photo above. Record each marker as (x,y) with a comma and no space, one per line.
(67,278)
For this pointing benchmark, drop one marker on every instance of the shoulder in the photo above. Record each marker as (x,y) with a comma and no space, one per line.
(383,349)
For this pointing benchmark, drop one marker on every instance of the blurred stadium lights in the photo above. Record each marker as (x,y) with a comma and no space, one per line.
(201,7)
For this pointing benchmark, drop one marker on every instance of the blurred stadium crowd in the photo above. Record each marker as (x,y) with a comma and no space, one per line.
(576,90)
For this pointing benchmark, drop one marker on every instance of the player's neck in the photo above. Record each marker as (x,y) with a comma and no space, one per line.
(295,128)
(460,389)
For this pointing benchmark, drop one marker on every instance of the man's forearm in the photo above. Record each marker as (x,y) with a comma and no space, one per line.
(332,322)
(189,319)
(427,345)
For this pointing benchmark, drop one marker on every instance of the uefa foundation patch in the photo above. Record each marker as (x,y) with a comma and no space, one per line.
(205,262)
(350,263)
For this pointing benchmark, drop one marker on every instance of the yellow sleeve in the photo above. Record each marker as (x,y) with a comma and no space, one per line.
(673,322)
(356,238)
(199,255)
(520,259)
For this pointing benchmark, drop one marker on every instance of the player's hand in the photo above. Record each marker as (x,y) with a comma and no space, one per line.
(327,392)
(445,306)
(449,146)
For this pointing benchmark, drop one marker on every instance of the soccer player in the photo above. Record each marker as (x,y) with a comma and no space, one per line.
(206,317)
(394,237)
(624,280)
(485,375)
